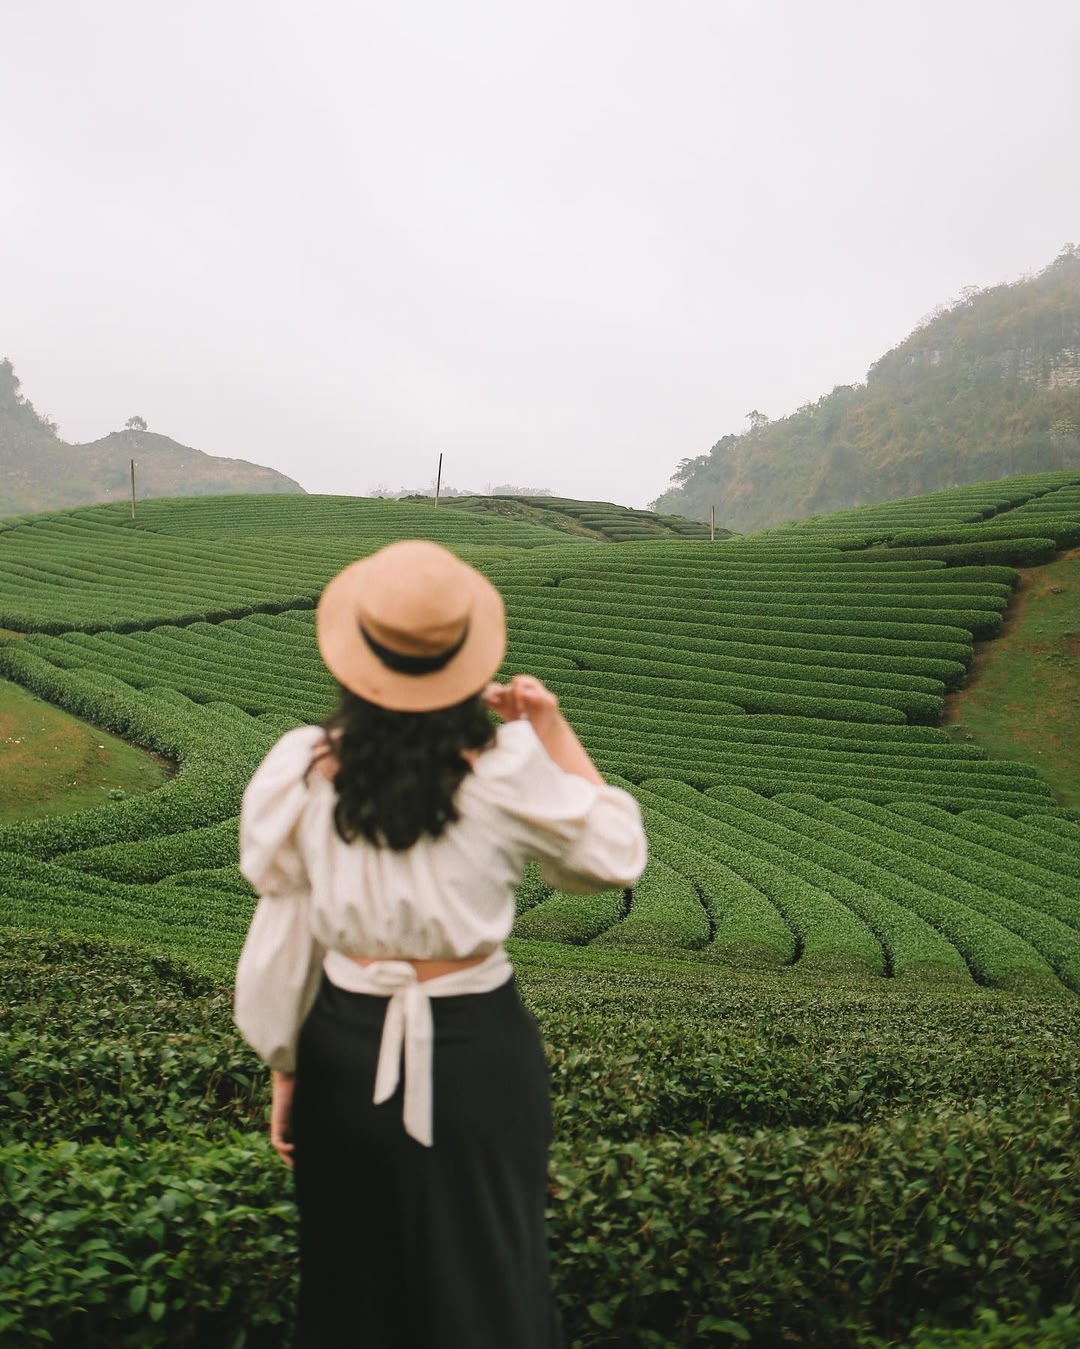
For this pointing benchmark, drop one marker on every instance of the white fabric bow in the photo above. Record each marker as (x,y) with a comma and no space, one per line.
(409,1025)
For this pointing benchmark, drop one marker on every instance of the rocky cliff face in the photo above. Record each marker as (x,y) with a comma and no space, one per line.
(1047,368)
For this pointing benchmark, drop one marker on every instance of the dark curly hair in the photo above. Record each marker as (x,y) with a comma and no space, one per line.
(398,772)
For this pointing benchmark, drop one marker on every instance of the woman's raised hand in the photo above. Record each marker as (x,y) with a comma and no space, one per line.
(524,696)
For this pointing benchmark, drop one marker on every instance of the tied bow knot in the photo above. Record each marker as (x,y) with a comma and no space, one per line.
(408,1027)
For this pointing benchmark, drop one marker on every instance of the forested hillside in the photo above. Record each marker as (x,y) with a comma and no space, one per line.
(39,471)
(988,386)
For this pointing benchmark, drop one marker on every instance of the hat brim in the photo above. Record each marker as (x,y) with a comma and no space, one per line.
(355,665)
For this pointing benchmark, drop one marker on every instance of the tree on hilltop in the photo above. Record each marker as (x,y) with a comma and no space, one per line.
(135,424)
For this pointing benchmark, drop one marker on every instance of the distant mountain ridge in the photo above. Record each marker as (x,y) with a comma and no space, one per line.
(986,387)
(40,472)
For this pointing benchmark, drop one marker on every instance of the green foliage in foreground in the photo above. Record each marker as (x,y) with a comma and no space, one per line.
(786,1109)
(799,1179)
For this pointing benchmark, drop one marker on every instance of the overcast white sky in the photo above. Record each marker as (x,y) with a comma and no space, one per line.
(566,243)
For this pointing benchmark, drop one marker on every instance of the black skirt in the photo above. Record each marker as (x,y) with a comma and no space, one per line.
(404,1246)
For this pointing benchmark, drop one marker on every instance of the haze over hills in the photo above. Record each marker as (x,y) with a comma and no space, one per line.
(39,471)
(985,387)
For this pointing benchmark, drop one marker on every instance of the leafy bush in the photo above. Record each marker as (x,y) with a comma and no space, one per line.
(797,1177)
(573,918)
(665,912)
(1027,552)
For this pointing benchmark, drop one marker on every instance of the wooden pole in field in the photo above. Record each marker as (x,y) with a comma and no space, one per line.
(438,481)
(712,524)
(133,489)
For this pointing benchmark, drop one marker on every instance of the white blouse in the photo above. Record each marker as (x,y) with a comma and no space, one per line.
(450,897)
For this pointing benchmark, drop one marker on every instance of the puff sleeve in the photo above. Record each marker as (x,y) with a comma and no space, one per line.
(586,837)
(280,964)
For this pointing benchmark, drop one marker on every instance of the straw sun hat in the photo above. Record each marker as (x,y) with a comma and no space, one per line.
(412,628)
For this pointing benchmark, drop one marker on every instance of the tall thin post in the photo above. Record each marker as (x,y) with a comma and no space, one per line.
(438,482)
(712,524)
(133,489)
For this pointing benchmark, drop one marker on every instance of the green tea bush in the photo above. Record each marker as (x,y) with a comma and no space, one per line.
(665,911)
(1059,1330)
(827,933)
(215,846)
(922,861)
(1065,835)
(747,927)
(975,922)
(941,849)
(1000,843)
(1062,530)
(753,1135)
(572,918)
(911,946)
(1026,552)
(776,1235)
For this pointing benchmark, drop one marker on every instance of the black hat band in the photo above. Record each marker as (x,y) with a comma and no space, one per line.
(413,665)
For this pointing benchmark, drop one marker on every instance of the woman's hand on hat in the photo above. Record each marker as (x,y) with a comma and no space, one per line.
(524,697)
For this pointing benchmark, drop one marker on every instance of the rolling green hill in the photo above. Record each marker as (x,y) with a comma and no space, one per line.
(40,472)
(843,994)
(765,676)
(988,387)
(589,519)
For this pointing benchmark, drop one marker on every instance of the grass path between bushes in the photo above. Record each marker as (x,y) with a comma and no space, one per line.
(1022,697)
(53,764)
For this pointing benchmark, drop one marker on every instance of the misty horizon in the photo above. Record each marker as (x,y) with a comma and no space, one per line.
(575,247)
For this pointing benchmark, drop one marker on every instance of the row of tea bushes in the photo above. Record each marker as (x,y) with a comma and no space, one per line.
(203,924)
(934,911)
(617,524)
(636,1049)
(1055,941)
(574,918)
(747,1236)
(216,746)
(791,1152)
(911,946)
(342,519)
(674,664)
(1019,552)
(664,913)
(1030,853)
(267,664)
(224,559)
(971,503)
(48,566)
(819,931)
(736,900)
(1062,530)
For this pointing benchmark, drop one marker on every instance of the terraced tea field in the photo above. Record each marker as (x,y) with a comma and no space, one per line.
(825,859)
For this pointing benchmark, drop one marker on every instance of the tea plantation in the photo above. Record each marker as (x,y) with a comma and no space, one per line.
(814,1076)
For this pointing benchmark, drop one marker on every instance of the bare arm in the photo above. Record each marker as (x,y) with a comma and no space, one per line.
(281,1114)
(525,696)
